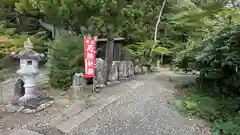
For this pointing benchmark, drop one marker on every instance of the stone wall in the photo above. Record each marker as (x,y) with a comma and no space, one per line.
(120,70)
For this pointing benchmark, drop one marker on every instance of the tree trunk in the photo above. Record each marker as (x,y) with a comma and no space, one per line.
(159,20)
(109,55)
(156,28)
(161,59)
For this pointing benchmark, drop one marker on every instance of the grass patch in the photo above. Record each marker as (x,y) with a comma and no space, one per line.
(223,114)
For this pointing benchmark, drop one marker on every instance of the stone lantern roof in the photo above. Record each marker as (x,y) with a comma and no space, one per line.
(27,53)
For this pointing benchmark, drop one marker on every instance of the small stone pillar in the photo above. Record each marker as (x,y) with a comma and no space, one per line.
(28,70)
(76,89)
(123,71)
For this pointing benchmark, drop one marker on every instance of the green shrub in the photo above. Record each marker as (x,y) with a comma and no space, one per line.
(217,59)
(66,57)
(229,127)
(16,41)
(222,113)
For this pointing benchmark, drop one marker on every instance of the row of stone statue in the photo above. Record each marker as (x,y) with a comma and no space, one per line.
(121,70)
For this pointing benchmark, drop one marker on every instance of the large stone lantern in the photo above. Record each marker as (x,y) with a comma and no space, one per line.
(29,70)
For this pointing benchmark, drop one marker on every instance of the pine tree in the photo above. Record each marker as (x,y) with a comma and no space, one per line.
(66,57)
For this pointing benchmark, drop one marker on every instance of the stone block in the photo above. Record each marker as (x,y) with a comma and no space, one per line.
(113,75)
(100,86)
(77,86)
(145,70)
(138,69)
(37,104)
(19,90)
(78,79)
(123,70)
(101,72)
(13,108)
(75,92)
(74,109)
(130,68)
(112,83)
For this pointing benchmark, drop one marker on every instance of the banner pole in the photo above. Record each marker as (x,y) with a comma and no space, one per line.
(94,78)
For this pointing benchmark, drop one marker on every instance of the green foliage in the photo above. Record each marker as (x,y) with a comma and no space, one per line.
(217,60)
(222,113)
(161,50)
(66,57)
(216,57)
(99,18)
(140,50)
(228,127)
(209,44)
(16,43)
(17,28)
(198,34)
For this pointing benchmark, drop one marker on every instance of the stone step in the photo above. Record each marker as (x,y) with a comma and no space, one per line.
(73,122)
(68,113)
(78,107)
(23,132)
(77,113)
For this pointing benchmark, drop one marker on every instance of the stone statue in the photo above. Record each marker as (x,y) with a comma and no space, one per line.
(130,68)
(113,76)
(19,90)
(138,69)
(101,73)
(123,70)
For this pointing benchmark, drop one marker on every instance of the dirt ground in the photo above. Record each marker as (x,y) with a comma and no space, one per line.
(9,121)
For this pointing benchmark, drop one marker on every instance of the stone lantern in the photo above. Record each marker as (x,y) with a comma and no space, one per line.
(29,70)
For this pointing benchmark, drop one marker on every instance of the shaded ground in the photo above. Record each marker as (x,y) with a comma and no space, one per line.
(144,111)
(9,121)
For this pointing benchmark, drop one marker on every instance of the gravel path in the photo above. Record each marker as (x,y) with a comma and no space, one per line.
(144,111)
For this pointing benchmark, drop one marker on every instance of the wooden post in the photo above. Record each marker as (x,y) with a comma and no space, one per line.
(120,50)
(115,48)
(109,55)
(117,52)
(95,64)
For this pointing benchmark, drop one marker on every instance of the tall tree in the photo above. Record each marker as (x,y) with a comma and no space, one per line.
(156,28)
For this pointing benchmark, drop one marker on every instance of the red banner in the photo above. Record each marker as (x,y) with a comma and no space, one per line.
(89,57)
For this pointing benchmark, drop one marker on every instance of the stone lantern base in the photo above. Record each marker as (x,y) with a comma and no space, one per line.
(30,93)
(30,101)
(31,106)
